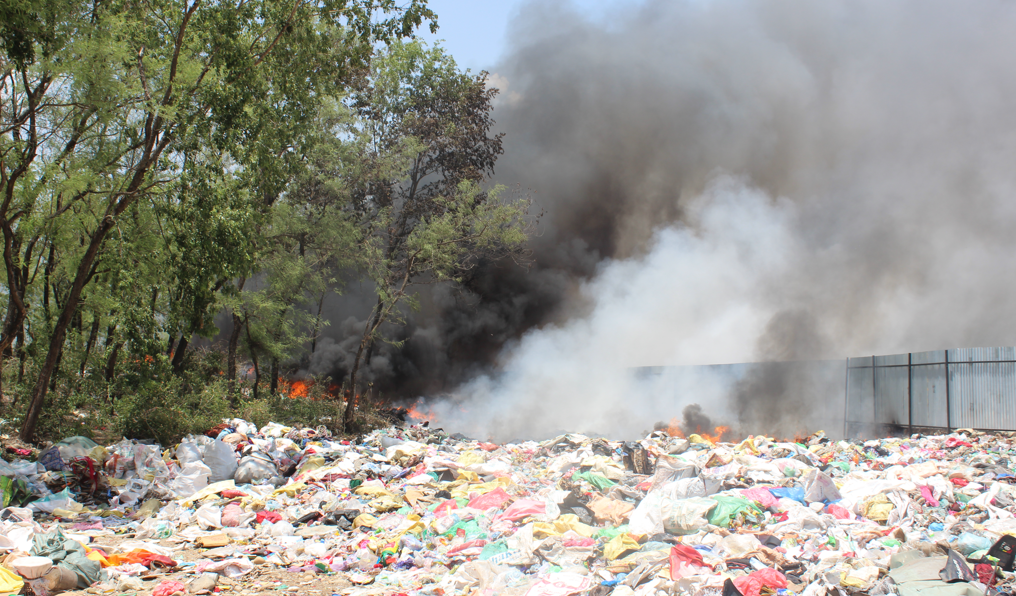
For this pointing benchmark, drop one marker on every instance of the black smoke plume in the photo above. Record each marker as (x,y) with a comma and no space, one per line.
(729,181)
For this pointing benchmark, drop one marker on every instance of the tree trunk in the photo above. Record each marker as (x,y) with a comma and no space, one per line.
(275,377)
(22,357)
(317,324)
(253,356)
(349,413)
(234,338)
(56,342)
(56,371)
(178,356)
(114,354)
(374,324)
(257,373)
(92,336)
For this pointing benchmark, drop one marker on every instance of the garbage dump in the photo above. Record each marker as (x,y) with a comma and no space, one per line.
(413,510)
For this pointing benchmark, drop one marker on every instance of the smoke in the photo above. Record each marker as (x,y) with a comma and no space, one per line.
(757,181)
(731,181)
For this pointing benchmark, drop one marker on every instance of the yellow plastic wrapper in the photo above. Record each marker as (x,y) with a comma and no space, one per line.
(99,453)
(463,490)
(364,519)
(471,458)
(386,503)
(878,508)
(212,489)
(468,476)
(748,445)
(610,510)
(290,489)
(150,508)
(618,546)
(311,463)
(718,459)
(10,582)
(411,525)
(566,522)
(372,490)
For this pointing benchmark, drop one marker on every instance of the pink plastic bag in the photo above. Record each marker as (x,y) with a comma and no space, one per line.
(929,497)
(751,585)
(838,512)
(445,506)
(169,587)
(492,500)
(524,508)
(559,584)
(231,515)
(762,496)
(468,549)
(684,560)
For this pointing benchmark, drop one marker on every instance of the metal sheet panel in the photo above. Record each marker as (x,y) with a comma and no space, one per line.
(892,360)
(860,395)
(982,354)
(860,361)
(983,395)
(928,395)
(929,357)
(891,385)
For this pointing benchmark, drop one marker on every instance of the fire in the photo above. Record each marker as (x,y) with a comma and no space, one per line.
(295,389)
(715,435)
(418,415)
(674,428)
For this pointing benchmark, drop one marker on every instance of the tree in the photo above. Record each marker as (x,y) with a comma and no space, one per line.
(109,107)
(425,146)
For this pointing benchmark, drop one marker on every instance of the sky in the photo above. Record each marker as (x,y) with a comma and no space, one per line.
(475,32)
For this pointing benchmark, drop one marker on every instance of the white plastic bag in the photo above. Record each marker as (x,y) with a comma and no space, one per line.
(686,516)
(192,477)
(820,488)
(188,452)
(282,528)
(61,500)
(255,469)
(215,454)
(209,517)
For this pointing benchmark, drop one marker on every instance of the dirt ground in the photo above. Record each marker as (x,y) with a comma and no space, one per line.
(265,579)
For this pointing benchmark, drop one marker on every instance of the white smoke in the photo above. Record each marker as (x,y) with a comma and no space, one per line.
(865,203)
(644,311)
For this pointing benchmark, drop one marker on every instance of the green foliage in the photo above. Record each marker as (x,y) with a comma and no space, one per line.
(414,185)
(164,163)
(143,148)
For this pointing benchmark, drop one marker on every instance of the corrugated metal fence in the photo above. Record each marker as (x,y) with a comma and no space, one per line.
(931,391)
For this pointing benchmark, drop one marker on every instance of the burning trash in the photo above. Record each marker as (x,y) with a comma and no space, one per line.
(409,509)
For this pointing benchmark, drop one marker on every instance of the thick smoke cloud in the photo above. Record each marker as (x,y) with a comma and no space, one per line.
(730,181)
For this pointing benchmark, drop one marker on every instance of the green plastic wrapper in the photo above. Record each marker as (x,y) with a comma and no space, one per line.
(600,482)
(728,507)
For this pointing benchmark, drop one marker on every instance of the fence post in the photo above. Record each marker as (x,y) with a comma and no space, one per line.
(874,394)
(846,398)
(910,391)
(948,402)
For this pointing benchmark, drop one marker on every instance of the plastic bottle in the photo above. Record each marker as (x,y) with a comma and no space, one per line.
(365,559)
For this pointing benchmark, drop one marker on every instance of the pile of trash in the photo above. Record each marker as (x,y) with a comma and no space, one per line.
(412,510)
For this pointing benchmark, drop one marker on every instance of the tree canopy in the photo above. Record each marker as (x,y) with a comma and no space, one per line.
(166,162)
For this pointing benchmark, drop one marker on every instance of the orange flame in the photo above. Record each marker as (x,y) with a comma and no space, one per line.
(418,415)
(295,389)
(674,428)
(720,433)
(717,434)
